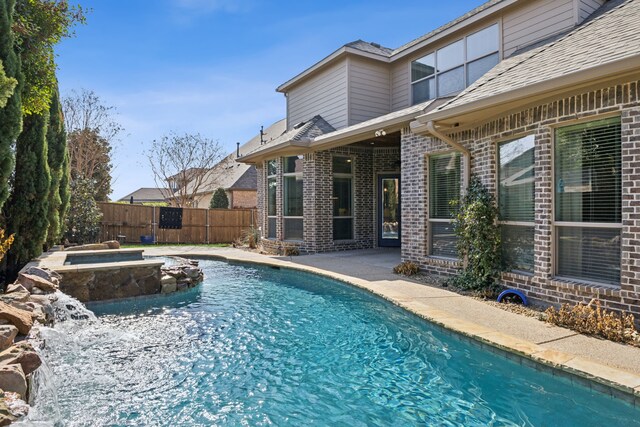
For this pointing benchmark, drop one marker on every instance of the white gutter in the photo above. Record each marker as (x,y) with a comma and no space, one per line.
(430,127)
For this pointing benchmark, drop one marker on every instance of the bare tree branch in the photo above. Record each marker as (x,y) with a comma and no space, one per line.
(183,164)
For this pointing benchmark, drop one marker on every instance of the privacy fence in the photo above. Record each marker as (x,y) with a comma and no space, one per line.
(128,223)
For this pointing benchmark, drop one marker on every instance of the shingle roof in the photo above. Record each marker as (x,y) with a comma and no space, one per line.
(370,47)
(146,194)
(229,173)
(612,34)
(248,180)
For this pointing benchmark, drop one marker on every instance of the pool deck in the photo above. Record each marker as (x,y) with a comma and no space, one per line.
(601,364)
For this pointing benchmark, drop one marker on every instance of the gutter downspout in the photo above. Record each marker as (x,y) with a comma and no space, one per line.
(466,155)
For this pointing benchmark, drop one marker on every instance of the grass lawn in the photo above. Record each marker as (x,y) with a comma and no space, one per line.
(202,245)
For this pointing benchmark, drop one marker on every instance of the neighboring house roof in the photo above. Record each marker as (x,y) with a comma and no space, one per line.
(232,175)
(604,46)
(146,195)
(248,180)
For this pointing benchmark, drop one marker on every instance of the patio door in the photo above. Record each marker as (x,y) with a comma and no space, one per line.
(389,210)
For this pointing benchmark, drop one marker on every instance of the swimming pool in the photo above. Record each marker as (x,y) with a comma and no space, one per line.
(263,346)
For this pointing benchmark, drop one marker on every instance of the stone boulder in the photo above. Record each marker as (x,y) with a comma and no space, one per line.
(12,379)
(112,244)
(21,319)
(16,406)
(89,247)
(45,273)
(30,281)
(169,284)
(7,335)
(23,354)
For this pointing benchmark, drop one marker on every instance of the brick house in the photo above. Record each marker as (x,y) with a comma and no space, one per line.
(539,98)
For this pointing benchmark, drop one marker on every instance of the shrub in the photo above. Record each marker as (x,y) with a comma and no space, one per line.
(84,216)
(251,237)
(219,200)
(592,319)
(5,244)
(475,225)
(406,268)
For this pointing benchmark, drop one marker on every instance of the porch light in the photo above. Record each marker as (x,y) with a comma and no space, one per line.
(380,132)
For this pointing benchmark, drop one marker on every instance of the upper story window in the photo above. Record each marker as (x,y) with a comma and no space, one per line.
(455,66)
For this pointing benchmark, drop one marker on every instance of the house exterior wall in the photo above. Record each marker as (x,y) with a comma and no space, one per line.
(369,90)
(620,99)
(243,199)
(587,7)
(318,199)
(324,93)
(535,21)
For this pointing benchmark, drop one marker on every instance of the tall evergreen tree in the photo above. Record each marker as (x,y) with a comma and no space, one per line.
(64,190)
(27,206)
(57,153)
(11,113)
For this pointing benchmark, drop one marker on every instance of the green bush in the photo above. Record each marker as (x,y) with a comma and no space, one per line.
(475,225)
(219,200)
(84,216)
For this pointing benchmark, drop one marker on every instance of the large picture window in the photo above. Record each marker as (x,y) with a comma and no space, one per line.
(455,66)
(588,201)
(271,199)
(516,205)
(293,198)
(342,198)
(444,186)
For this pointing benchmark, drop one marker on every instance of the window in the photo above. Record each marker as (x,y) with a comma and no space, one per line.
(271,199)
(588,201)
(342,198)
(293,199)
(444,186)
(516,205)
(454,67)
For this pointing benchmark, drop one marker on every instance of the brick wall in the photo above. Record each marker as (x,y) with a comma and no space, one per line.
(318,198)
(621,99)
(243,199)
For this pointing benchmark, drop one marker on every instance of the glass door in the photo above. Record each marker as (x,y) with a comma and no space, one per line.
(388,210)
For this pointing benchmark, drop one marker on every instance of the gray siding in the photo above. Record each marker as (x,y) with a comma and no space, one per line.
(324,94)
(535,21)
(587,7)
(369,90)
(400,95)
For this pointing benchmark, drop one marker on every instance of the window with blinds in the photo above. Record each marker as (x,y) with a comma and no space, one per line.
(271,199)
(293,198)
(444,186)
(516,204)
(588,201)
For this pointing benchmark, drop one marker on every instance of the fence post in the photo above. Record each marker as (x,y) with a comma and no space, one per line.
(207,227)
(153,225)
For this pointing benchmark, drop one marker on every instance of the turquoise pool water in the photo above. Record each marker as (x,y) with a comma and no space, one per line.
(260,346)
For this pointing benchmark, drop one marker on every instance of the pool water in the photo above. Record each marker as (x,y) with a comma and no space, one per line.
(261,346)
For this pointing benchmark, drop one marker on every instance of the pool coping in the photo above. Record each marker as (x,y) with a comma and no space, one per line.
(615,382)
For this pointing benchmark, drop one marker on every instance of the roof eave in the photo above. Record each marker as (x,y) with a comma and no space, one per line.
(628,65)
(288,147)
(343,51)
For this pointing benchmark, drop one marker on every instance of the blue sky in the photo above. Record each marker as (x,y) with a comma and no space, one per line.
(212,66)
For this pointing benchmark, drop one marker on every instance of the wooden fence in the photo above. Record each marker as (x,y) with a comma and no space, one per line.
(198,225)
